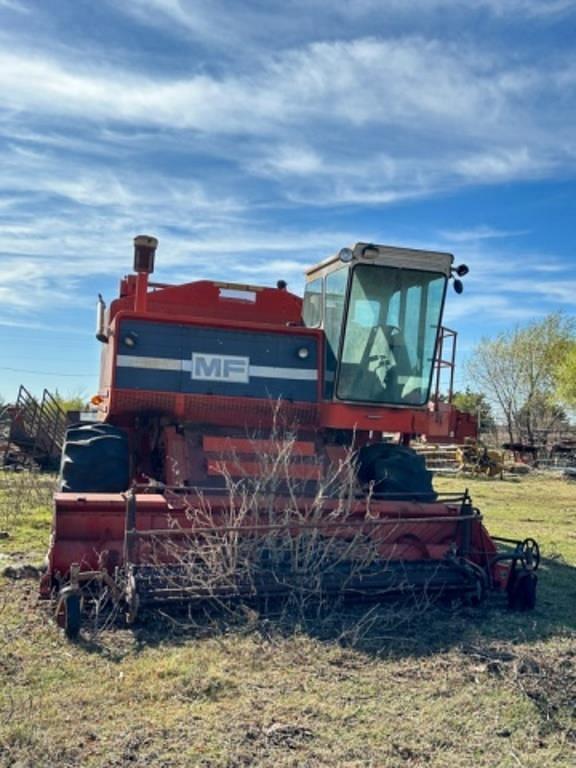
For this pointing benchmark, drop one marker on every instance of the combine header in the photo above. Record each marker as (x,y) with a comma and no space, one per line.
(253,443)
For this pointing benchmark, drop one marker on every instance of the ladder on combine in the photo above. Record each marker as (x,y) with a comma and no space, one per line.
(36,431)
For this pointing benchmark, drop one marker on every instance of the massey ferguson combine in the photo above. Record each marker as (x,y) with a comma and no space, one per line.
(254,444)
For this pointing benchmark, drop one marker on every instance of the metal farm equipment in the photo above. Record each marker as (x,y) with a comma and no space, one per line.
(253,443)
(477,459)
(32,432)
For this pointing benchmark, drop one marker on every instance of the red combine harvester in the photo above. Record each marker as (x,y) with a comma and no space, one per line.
(251,442)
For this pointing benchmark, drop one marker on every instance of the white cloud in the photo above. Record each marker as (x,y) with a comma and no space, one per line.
(553,291)
(492,307)
(370,121)
(509,286)
(499,7)
(95,183)
(195,17)
(502,164)
(54,258)
(238,26)
(290,160)
(481,232)
(536,8)
(366,81)
(14,5)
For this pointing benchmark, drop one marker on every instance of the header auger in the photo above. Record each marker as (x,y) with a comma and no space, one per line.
(254,443)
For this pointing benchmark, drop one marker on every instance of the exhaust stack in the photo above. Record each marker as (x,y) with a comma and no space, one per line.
(144,253)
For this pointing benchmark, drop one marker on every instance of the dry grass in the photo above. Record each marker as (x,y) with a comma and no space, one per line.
(25,513)
(22,494)
(443,690)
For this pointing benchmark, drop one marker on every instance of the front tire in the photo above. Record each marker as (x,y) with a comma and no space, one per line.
(395,472)
(95,459)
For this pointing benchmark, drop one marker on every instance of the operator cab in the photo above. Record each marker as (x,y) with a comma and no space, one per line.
(380,308)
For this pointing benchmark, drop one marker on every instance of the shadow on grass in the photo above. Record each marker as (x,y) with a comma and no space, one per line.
(414,627)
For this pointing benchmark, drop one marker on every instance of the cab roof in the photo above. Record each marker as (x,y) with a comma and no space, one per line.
(384,255)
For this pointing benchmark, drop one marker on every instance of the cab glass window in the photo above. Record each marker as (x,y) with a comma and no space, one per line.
(390,335)
(336,284)
(312,306)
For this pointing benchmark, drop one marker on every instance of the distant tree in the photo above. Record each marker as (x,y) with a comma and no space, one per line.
(71,402)
(518,372)
(566,377)
(535,419)
(477,404)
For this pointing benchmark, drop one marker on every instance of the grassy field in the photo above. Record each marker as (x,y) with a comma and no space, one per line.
(413,687)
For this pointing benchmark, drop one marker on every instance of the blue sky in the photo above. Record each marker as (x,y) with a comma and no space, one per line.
(256,137)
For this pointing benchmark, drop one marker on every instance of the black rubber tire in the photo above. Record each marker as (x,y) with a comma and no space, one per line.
(522,591)
(95,459)
(72,613)
(395,472)
(83,431)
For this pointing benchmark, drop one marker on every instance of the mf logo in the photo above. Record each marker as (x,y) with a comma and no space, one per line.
(220,368)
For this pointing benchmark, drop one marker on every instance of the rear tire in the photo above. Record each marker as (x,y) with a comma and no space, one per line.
(95,459)
(395,472)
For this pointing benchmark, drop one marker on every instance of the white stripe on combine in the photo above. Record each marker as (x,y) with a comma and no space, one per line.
(256,371)
(268,372)
(154,363)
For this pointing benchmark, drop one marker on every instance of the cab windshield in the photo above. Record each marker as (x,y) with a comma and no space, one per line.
(390,335)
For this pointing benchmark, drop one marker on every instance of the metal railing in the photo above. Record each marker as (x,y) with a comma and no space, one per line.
(36,428)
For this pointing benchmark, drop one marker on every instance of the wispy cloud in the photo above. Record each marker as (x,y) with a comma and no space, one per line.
(534,8)
(370,81)
(508,284)
(481,232)
(552,291)
(495,309)
(364,113)
(501,164)
(7,322)
(513,8)
(232,25)
(14,5)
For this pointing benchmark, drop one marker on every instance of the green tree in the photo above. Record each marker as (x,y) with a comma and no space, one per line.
(477,404)
(518,373)
(71,402)
(540,416)
(566,377)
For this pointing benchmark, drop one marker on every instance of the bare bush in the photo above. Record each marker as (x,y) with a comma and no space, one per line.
(267,548)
